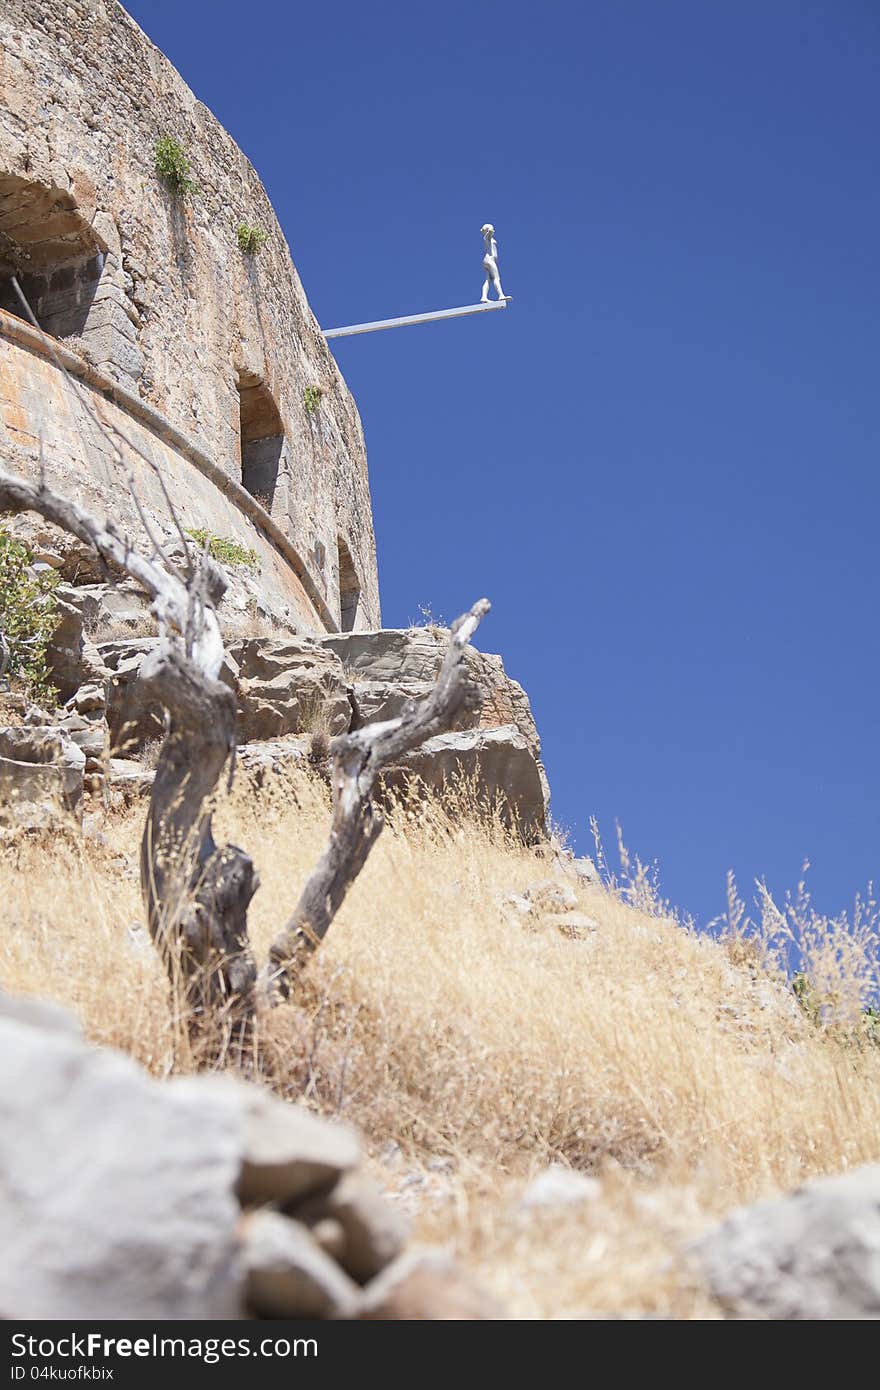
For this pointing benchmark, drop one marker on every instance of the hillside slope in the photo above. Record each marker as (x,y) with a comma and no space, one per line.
(475,1040)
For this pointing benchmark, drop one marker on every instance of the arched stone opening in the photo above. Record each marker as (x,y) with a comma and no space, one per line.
(349,588)
(70,277)
(53,252)
(262,438)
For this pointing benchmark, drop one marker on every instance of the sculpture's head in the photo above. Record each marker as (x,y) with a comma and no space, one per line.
(487,230)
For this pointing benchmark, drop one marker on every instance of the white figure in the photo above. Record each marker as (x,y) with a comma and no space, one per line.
(490,263)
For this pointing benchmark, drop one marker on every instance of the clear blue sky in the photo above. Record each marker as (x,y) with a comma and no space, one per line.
(661,463)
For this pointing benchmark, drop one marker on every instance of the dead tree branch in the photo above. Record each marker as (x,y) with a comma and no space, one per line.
(358,759)
(197,893)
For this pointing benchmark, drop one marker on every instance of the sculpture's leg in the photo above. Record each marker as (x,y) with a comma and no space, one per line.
(484,299)
(498,287)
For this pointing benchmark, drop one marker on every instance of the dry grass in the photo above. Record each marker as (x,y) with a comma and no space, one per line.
(473,1046)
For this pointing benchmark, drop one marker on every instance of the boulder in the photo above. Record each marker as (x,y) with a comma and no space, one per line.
(388,668)
(427,1286)
(134,717)
(39,1013)
(373,1231)
(128,780)
(41,773)
(813,1255)
(262,761)
(288,1152)
(497,762)
(558,1186)
(64,650)
(117,1199)
(288,1274)
(292,686)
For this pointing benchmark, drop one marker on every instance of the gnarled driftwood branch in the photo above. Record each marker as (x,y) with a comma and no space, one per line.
(357,760)
(197,893)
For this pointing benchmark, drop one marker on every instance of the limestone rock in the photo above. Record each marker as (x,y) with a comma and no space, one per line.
(288,1274)
(375,701)
(391,655)
(41,773)
(64,651)
(549,895)
(427,1286)
(577,925)
(128,779)
(79,565)
(558,1186)
(390,667)
(374,1232)
(88,699)
(88,732)
(116,1199)
(288,1153)
(289,686)
(500,764)
(133,716)
(39,1013)
(813,1255)
(263,760)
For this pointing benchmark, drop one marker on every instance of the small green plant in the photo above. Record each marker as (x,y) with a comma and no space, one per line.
(172,165)
(28,617)
(251,239)
(807,997)
(224,549)
(871,1025)
(312,397)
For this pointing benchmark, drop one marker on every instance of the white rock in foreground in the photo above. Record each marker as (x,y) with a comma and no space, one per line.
(558,1186)
(117,1200)
(813,1255)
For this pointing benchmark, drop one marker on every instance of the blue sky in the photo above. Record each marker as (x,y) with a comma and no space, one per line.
(661,462)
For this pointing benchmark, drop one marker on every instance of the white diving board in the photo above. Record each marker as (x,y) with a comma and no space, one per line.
(415,318)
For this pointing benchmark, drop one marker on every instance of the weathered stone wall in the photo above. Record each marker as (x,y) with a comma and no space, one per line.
(176,313)
(42,418)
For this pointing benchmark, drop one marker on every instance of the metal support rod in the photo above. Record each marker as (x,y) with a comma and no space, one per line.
(415,318)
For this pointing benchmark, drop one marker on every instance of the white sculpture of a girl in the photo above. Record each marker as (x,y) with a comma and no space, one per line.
(490,263)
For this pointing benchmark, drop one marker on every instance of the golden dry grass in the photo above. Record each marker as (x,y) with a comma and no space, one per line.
(472,1045)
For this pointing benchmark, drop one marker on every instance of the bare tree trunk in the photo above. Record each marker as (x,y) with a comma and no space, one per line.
(196,893)
(358,760)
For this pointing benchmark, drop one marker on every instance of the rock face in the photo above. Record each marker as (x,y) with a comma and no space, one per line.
(133,716)
(292,687)
(389,667)
(812,1255)
(498,762)
(496,746)
(289,687)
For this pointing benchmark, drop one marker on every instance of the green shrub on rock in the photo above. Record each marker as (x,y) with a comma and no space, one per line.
(28,617)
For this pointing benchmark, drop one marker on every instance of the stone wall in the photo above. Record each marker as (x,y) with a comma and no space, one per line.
(153,290)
